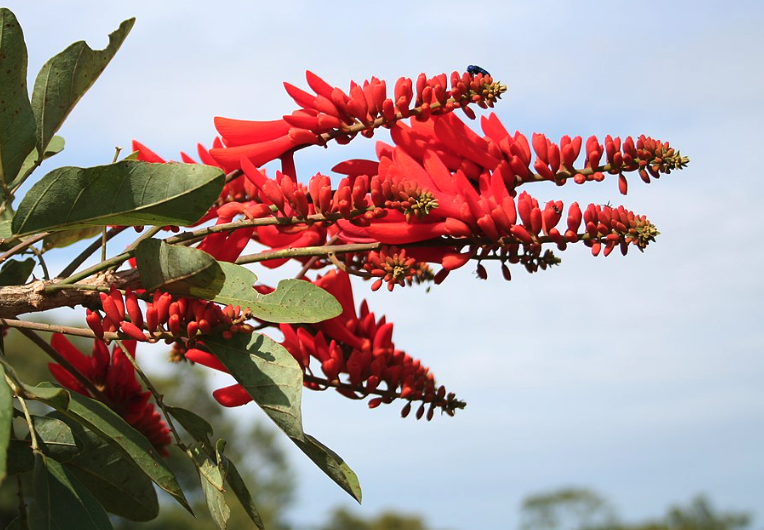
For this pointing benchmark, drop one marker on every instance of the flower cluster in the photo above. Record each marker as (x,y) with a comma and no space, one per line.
(357,357)
(460,148)
(393,267)
(112,376)
(166,316)
(441,194)
(331,113)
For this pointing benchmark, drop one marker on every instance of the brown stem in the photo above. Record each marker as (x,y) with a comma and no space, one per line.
(34,297)
(312,261)
(21,246)
(92,248)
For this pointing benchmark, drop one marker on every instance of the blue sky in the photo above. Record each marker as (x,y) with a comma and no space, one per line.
(640,377)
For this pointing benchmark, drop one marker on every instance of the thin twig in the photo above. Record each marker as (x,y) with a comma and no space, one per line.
(201,233)
(79,332)
(85,254)
(30,424)
(301,252)
(312,261)
(43,266)
(24,244)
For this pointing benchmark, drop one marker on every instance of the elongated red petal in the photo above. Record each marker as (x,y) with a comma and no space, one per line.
(232,396)
(243,132)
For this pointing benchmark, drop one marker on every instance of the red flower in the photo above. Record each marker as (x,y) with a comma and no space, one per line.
(114,375)
(331,113)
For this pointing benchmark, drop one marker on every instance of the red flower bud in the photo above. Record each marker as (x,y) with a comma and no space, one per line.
(133,309)
(94,323)
(132,331)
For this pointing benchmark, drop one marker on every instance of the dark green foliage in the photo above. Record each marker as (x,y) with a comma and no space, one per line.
(126,193)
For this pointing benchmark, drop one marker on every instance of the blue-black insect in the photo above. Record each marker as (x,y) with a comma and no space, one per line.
(474,69)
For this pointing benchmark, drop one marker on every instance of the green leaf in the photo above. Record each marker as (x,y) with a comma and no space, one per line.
(55,146)
(273,378)
(61,502)
(58,441)
(69,237)
(113,479)
(17,121)
(191,272)
(100,419)
(297,301)
(5,229)
(212,487)
(194,424)
(55,397)
(118,484)
(127,193)
(16,272)
(65,78)
(239,488)
(6,415)
(177,269)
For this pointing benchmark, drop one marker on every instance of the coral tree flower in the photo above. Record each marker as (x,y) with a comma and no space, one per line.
(331,113)
(114,375)
(356,354)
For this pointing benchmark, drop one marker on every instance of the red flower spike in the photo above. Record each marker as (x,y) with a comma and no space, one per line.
(120,388)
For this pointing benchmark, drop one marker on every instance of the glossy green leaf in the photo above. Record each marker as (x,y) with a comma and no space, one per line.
(61,502)
(65,78)
(6,415)
(100,419)
(212,487)
(273,378)
(17,121)
(69,237)
(239,488)
(126,193)
(55,146)
(118,484)
(191,272)
(194,424)
(16,272)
